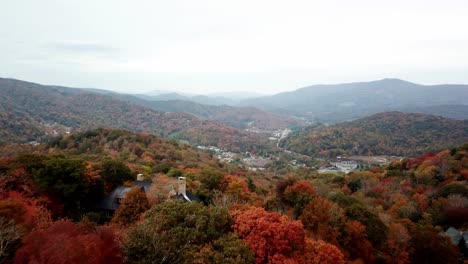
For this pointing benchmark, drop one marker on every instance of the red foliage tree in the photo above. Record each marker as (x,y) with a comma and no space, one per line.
(271,237)
(65,242)
(318,218)
(357,244)
(24,211)
(299,191)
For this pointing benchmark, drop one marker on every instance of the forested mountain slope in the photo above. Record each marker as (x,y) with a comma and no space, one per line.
(34,112)
(391,133)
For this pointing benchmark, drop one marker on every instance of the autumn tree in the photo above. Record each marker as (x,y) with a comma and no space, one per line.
(323,219)
(375,229)
(25,212)
(227,249)
(174,231)
(281,187)
(270,236)
(133,205)
(236,187)
(430,247)
(356,242)
(397,246)
(65,242)
(299,194)
(320,252)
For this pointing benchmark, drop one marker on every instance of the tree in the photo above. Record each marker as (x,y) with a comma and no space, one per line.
(323,219)
(430,247)
(25,212)
(133,205)
(66,178)
(357,244)
(10,236)
(236,187)
(269,235)
(320,252)
(211,179)
(375,229)
(174,231)
(227,249)
(299,191)
(66,242)
(116,172)
(397,247)
(299,194)
(281,188)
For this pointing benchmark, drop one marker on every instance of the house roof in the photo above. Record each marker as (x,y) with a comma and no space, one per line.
(144,184)
(110,202)
(192,197)
(454,235)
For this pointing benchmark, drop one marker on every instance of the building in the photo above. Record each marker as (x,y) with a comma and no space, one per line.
(112,201)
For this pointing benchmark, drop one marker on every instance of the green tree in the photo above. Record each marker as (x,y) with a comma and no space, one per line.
(355,210)
(227,249)
(116,172)
(174,231)
(66,178)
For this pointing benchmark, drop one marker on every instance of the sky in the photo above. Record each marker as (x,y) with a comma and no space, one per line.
(215,46)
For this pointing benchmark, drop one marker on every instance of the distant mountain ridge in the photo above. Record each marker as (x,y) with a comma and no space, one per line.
(340,102)
(31,111)
(238,117)
(390,133)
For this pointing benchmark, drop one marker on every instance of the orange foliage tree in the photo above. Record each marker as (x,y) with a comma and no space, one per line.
(133,205)
(320,252)
(323,219)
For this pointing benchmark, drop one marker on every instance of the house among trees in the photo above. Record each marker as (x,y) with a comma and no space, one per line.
(112,201)
(182,193)
(458,238)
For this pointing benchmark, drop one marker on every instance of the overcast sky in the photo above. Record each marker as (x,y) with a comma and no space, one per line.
(203,46)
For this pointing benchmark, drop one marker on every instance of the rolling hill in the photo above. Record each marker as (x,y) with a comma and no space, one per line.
(342,102)
(238,117)
(391,133)
(31,111)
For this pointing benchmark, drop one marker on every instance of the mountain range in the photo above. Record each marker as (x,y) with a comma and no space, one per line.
(342,102)
(33,112)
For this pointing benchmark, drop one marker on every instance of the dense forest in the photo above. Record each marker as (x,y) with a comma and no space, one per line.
(391,214)
(391,133)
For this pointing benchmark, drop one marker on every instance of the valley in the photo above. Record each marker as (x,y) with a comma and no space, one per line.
(120,163)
